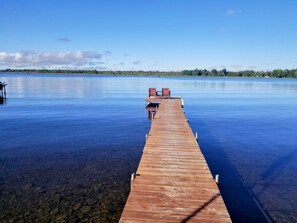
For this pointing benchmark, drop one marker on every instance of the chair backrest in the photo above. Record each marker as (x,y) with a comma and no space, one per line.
(165,92)
(152,92)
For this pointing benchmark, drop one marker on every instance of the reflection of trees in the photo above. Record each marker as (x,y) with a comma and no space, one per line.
(56,86)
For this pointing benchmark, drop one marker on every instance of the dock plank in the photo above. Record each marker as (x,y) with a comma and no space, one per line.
(173,181)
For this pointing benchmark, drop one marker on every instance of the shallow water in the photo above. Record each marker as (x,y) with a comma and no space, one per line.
(69,144)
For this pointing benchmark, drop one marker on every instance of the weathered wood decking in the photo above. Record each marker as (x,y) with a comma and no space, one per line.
(173,182)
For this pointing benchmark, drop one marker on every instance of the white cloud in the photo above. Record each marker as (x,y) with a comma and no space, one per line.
(136,62)
(252,67)
(33,59)
(236,66)
(230,12)
(221,67)
(270,63)
(107,53)
(118,64)
(155,64)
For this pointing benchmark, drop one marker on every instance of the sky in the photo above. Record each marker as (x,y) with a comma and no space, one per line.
(164,35)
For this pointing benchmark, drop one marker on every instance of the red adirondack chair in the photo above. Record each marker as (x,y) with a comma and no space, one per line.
(152,92)
(165,93)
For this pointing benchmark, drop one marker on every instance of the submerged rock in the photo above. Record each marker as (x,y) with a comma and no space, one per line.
(57,198)
(27,186)
(92,201)
(85,209)
(73,219)
(61,217)
(77,206)
(55,211)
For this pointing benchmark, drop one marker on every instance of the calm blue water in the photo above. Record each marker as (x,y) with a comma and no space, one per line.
(69,144)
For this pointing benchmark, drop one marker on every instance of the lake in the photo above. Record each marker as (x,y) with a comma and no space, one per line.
(69,144)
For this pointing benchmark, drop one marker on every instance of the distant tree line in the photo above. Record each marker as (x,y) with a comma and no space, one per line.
(278,73)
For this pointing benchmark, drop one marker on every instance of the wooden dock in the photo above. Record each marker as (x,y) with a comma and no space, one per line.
(173,182)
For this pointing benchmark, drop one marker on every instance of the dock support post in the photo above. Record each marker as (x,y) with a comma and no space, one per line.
(196,136)
(4,91)
(217,178)
(132,180)
(146,136)
(182,102)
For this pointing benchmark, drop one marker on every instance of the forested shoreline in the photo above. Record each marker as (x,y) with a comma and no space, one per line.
(278,73)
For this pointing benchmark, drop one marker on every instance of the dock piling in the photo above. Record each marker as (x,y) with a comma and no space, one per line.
(2,92)
(217,178)
(132,180)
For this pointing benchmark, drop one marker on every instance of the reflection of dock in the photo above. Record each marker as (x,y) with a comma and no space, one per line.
(2,92)
(173,182)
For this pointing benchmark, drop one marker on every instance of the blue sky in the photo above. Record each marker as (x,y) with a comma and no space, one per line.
(168,35)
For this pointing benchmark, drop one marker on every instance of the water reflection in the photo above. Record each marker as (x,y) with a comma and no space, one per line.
(213,85)
(70,143)
(59,86)
(2,92)
(152,109)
